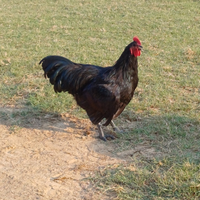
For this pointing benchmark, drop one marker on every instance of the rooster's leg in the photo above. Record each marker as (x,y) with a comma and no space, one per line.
(115,128)
(101,133)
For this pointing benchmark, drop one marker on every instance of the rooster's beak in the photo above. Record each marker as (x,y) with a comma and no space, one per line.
(140,47)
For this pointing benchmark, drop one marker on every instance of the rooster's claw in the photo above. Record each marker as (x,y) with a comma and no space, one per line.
(107,137)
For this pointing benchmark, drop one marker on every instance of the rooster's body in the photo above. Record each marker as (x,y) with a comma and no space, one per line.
(102,92)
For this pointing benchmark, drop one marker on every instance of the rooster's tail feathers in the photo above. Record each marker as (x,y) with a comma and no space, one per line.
(66,75)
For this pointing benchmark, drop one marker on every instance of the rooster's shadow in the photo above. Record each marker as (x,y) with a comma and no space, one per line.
(32,118)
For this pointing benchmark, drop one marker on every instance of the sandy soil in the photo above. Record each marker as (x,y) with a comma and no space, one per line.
(50,157)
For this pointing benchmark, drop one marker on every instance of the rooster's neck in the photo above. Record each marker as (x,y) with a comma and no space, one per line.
(127,64)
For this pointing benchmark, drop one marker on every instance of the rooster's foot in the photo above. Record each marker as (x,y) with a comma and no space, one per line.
(115,128)
(107,137)
(102,136)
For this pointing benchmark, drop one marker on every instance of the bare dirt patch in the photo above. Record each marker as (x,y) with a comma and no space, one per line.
(51,158)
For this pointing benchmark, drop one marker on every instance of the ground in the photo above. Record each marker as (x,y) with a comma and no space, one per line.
(51,157)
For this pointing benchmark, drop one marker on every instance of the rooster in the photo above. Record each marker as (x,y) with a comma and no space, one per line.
(103,92)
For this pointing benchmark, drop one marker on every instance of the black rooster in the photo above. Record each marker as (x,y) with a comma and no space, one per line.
(102,92)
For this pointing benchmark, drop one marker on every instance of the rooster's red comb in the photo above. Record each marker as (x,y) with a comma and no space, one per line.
(136,39)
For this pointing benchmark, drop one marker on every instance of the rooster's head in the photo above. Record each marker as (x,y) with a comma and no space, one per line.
(136,47)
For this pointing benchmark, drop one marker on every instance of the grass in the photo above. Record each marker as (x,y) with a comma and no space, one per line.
(166,105)
(162,179)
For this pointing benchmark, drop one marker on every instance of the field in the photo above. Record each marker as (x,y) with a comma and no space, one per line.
(49,148)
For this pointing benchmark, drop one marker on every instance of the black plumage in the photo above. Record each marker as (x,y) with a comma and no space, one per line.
(103,92)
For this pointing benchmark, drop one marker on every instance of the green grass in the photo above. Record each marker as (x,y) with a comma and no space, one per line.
(165,110)
(162,179)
